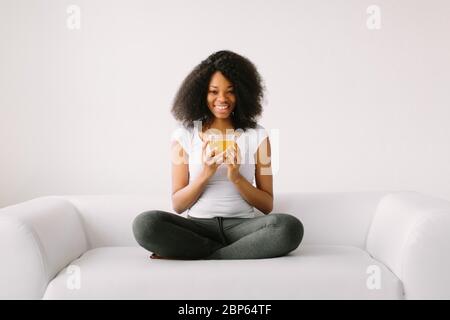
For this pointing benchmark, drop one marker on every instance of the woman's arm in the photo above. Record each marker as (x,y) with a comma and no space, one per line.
(185,194)
(260,197)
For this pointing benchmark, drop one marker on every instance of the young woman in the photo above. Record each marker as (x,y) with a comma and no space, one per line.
(223,93)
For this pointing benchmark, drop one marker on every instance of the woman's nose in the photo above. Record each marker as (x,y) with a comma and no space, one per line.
(221,97)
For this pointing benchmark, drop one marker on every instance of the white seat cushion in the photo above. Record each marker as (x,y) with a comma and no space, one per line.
(310,272)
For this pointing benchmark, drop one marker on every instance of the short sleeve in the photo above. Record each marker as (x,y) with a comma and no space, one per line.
(255,137)
(183,137)
(261,135)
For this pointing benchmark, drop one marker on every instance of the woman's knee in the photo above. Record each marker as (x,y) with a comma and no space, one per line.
(146,223)
(291,230)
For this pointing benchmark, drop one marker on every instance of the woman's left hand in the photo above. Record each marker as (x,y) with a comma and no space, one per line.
(233,160)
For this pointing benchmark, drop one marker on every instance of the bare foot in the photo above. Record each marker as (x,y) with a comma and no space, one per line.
(155,256)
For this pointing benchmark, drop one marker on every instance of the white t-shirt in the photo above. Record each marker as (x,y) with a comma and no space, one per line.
(220,197)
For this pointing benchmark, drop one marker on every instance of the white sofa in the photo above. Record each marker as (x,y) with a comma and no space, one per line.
(359,245)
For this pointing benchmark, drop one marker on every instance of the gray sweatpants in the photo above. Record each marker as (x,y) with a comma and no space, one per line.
(173,236)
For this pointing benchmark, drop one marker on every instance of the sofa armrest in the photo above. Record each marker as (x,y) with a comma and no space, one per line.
(38,238)
(410,234)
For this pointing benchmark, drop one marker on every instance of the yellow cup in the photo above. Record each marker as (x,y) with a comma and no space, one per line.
(221,142)
(221,145)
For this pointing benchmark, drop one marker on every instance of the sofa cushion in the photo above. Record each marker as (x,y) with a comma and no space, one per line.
(341,218)
(310,272)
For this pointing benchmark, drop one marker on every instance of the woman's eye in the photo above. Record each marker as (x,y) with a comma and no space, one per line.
(215,92)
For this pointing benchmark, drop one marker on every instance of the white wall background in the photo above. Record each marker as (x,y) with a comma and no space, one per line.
(87,111)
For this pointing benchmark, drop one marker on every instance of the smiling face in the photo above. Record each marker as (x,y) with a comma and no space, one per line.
(221,98)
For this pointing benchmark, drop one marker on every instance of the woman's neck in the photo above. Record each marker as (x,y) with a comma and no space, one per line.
(220,124)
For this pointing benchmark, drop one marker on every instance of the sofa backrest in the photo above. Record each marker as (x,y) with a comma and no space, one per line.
(332,218)
(329,218)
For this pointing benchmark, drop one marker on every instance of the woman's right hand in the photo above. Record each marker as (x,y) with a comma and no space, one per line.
(211,161)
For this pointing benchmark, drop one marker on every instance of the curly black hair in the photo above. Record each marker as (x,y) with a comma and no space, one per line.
(190,103)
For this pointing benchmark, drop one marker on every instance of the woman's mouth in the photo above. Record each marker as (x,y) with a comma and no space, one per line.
(222,107)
